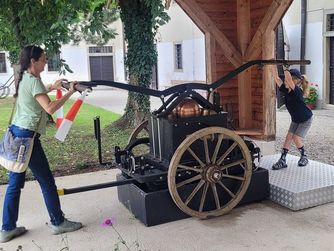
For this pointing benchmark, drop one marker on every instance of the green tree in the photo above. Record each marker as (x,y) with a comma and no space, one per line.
(52,23)
(141,19)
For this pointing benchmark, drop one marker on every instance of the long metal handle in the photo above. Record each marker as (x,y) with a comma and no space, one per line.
(64,191)
(182,88)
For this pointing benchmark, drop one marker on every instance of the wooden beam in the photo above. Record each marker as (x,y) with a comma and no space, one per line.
(211,60)
(245,99)
(196,13)
(269,88)
(244,78)
(243,24)
(273,15)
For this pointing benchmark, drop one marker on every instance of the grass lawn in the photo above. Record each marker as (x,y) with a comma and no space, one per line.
(79,151)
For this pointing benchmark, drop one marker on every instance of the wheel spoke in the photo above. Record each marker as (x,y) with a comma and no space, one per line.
(226,189)
(190,168)
(215,194)
(227,153)
(239,162)
(206,150)
(190,197)
(195,157)
(205,190)
(185,182)
(233,177)
(215,153)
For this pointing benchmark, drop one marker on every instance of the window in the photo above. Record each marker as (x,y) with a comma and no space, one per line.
(178,56)
(54,63)
(100,49)
(3,68)
(330,22)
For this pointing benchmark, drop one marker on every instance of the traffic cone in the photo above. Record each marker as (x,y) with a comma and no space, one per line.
(70,116)
(60,111)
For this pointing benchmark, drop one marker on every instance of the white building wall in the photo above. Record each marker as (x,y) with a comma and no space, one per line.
(180,29)
(193,63)
(5,76)
(316,49)
(76,58)
(119,68)
(165,63)
(314,43)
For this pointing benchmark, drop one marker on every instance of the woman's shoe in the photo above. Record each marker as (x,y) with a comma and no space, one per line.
(6,236)
(66,226)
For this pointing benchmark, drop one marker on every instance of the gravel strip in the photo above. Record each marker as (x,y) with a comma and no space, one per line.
(319,142)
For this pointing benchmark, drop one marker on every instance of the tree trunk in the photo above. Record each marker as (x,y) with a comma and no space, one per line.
(141,56)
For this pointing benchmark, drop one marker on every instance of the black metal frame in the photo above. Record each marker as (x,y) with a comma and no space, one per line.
(152,168)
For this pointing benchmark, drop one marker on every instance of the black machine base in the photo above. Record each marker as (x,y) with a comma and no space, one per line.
(157,207)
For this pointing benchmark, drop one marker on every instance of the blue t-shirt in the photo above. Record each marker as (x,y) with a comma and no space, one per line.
(294,102)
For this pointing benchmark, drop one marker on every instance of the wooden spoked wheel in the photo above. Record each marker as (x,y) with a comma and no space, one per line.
(209,172)
(141,131)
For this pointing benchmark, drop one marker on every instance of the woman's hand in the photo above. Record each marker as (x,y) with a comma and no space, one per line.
(51,106)
(57,85)
(72,86)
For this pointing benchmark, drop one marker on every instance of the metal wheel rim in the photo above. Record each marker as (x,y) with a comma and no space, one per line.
(142,126)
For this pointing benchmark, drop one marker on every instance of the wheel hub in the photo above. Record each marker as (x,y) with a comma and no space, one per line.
(212,174)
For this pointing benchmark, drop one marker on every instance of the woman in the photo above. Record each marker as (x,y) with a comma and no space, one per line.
(295,88)
(32,106)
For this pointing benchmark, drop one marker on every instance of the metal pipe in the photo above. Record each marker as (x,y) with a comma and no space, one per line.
(153,137)
(303,33)
(97,130)
(64,191)
(159,138)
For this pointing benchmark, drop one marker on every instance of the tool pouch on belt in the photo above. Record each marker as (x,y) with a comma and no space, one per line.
(15,152)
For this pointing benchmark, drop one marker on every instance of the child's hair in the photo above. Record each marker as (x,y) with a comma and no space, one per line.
(305,84)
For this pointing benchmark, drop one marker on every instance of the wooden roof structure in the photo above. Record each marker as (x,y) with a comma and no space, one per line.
(237,31)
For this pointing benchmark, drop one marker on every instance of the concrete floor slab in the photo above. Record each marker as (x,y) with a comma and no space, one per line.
(258,226)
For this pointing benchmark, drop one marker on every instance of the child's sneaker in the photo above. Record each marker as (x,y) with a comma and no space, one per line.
(303,161)
(66,226)
(6,236)
(279,165)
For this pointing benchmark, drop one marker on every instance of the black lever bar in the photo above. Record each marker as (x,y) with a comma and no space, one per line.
(82,85)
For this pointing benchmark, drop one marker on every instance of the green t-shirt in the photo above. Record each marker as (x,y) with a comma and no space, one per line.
(28,111)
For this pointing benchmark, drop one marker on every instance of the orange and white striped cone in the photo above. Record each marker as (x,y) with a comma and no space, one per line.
(60,111)
(70,116)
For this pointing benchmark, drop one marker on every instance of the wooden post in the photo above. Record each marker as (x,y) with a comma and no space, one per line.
(210,54)
(269,91)
(244,78)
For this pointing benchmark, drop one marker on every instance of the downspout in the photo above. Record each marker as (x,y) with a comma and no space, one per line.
(303,33)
